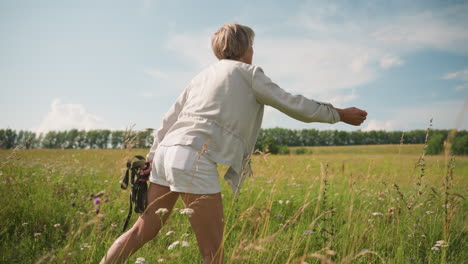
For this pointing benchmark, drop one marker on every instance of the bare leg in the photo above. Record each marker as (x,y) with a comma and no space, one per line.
(208,223)
(146,227)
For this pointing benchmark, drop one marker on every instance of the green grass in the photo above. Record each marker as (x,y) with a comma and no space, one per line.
(338,203)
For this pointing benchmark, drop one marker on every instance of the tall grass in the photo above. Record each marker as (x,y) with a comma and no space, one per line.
(327,207)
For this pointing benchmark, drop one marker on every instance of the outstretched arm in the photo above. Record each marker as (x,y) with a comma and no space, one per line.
(296,106)
(300,107)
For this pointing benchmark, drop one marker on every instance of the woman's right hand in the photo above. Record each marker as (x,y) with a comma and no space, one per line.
(146,170)
(352,115)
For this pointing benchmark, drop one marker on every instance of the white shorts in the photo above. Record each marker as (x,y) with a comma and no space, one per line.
(183,169)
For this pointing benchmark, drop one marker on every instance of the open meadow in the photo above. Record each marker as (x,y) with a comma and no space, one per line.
(352,204)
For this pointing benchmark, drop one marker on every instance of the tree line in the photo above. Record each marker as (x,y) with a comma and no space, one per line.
(274,138)
(76,139)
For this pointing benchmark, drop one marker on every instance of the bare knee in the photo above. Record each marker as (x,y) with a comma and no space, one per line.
(142,232)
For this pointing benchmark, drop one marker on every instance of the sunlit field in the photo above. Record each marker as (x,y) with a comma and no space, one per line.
(353,204)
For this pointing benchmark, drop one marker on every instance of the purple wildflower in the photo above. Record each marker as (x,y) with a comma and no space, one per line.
(97,201)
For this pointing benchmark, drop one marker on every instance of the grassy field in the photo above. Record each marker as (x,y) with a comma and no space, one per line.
(357,204)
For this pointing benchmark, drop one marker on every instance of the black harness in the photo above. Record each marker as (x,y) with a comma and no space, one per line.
(139,188)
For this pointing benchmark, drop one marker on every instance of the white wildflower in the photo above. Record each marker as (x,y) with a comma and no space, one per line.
(161,211)
(377,213)
(86,245)
(441,243)
(141,260)
(435,248)
(173,245)
(429,212)
(186,211)
(25,223)
(161,260)
(185,244)
(37,234)
(185,235)
(280,202)
(169,233)
(122,211)
(287,202)
(57,225)
(176,209)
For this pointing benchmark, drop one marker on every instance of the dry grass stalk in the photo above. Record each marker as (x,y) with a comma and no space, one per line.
(322,258)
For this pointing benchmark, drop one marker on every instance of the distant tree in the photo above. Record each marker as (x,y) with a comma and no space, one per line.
(103,138)
(50,140)
(61,139)
(26,139)
(38,141)
(300,151)
(71,139)
(92,137)
(117,139)
(283,150)
(81,140)
(268,144)
(141,138)
(435,144)
(7,138)
(460,145)
(149,138)
(325,138)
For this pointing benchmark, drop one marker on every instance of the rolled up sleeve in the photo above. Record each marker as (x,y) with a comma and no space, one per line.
(295,106)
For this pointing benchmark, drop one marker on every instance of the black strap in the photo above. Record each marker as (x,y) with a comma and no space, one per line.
(139,187)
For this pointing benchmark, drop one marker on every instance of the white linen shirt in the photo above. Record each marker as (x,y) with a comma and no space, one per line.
(222,108)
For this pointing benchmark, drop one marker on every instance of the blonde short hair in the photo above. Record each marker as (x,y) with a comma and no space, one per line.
(232,41)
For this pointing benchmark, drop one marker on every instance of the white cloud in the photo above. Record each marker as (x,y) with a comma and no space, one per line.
(312,67)
(68,116)
(147,4)
(331,58)
(459,75)
(386,125)
(461,87)
(341,100)
(439,29)
(195,46)
(445,115)
(389,61)
(333,54)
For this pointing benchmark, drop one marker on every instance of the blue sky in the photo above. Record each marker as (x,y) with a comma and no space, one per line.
(113,64)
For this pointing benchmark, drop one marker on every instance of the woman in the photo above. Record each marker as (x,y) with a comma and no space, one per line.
(215,120)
